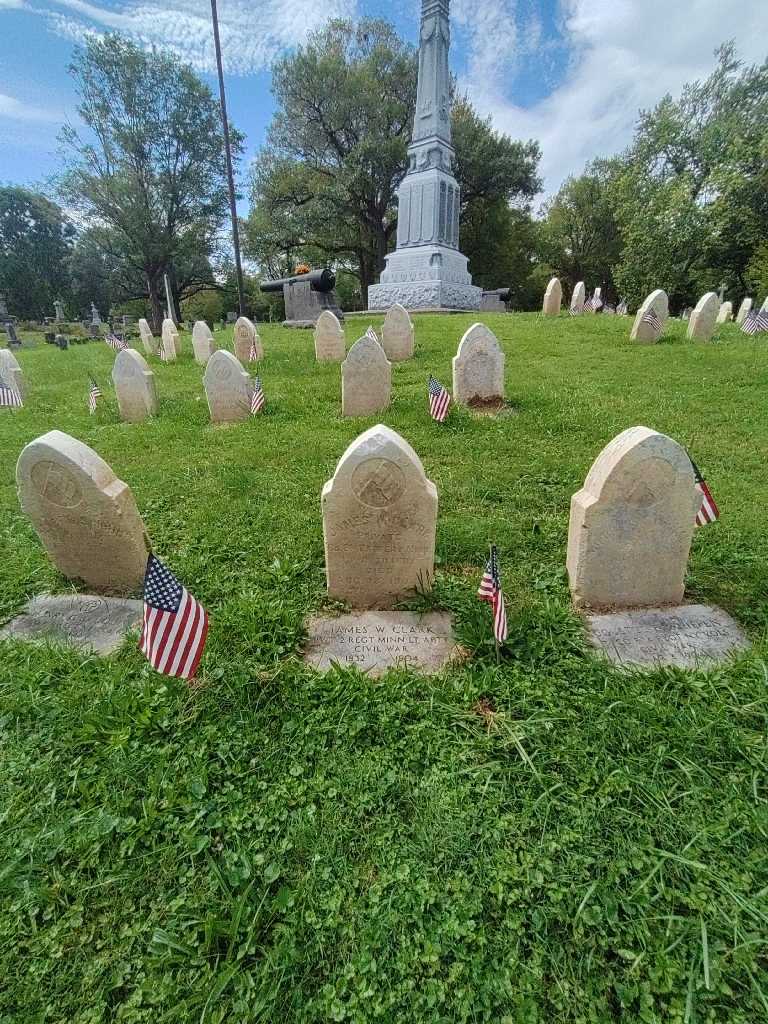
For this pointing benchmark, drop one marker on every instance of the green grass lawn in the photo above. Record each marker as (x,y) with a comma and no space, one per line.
(278,846)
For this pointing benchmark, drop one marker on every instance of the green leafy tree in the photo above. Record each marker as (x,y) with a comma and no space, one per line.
(150,167)
(35,244)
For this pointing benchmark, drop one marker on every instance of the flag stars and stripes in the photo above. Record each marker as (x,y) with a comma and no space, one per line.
(115,343)
(709,512)
(10,397)
(755,322)
(94,394)
(175,625)
(490,590)
(257,396)
(439,400)
(652,318)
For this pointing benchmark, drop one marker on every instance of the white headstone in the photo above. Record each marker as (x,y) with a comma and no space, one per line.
(10,370)
(246,335)
(701,323)
(85,517)
(148,340)
(478,367)
(329,338)
(744,308)
(577,299)
(725,315)
(379,516)
(643,331)
(631,524)
(170,340)
(397,334)
(203,344)
(366,379)
(134,386)
(228,388)
(553,297)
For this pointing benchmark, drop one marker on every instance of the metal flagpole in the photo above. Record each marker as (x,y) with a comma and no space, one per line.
(228,152)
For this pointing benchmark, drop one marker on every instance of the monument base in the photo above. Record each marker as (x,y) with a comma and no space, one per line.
(425,276)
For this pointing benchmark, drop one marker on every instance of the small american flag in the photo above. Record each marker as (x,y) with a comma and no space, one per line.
(115,343)
(257,396)
(652,318)
(755,322)
(490,590)
(575,312)
(94,394)
(609,310)
(175,624)
(709,511)
(597,303)
(370,333)
(439,400)
(621,309)
(9,395)
(253,355)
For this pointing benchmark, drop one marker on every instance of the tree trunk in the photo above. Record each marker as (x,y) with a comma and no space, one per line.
(155,302)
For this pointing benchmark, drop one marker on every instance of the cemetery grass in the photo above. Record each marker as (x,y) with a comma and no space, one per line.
(543,840)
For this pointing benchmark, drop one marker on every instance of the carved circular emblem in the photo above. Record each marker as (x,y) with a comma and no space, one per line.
(222,370)
(56,484)
(378,482)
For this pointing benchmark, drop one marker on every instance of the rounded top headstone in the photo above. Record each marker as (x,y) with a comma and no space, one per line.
(701,322)
(366,351)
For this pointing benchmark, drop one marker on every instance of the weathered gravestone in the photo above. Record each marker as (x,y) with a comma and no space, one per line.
(203,343)
(245,337)
(478,367)
(329,338)
(376,641)
(61,341)
(94,624)
(494,301)
(379,517)
(134,386)
(397,334)
(86,518)
(10,371)
(553,298)
(577,299)
(744,309)
(148,340)
(95,317)
(642,329)
(725,314)
(170,340)
(13,338)
(701,323)
(631,524)
(228,388)
(366,379)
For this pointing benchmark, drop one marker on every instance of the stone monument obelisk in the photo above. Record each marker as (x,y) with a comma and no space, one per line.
(427,271)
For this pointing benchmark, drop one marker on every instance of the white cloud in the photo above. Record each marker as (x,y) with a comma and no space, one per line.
(12,5)
(624,56)
(16,110)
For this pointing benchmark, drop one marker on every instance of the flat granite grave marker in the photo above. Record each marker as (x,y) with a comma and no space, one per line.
(376,641)
(577,299)
(86,518)
(245,336)
(379,516)
(701,323)
(366,379)
(329,338)
(134,386)
(94,623)
(553,298)
(203,343)
(478,367)
(688,636)
(643,331)
(228,388)
(397,334)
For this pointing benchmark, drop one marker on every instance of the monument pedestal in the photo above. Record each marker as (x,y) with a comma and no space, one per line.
(425,277)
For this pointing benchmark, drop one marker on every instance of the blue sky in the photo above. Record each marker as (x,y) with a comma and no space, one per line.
(571,73)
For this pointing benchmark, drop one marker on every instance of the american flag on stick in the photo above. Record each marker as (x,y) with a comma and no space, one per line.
(652,318)
(439,400)
(709,512)
(370,333)
(115,343)
(253,355)
(490,590)
(755,322)
(575,312)
(175,624)
(257,396)
(94,394)
(9,395)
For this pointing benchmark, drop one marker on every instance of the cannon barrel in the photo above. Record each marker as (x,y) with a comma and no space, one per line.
(319,281)
(503,293)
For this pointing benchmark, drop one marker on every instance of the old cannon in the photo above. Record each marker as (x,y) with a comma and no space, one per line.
(493,301)
(306,296)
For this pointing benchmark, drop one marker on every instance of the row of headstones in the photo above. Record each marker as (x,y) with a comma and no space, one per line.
(397,336)
(245,341)
(629,537)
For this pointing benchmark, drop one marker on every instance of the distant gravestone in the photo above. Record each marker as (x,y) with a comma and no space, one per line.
(631,524)
(725,314)
(86,518)
(644,331)
(245,336)
(228,388)
(397,334)
(10,370)
(553,298)
(701,322)
(686,314)
(577,299)
(744,309)
(95,624)
(13,339)
(379,518)
(95,317)
(478,367)
(148,340)
(329,338)
(134,386)
(203,344)
(231,317)
(61,341)
(170,340)
(58,306)
(366,379)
